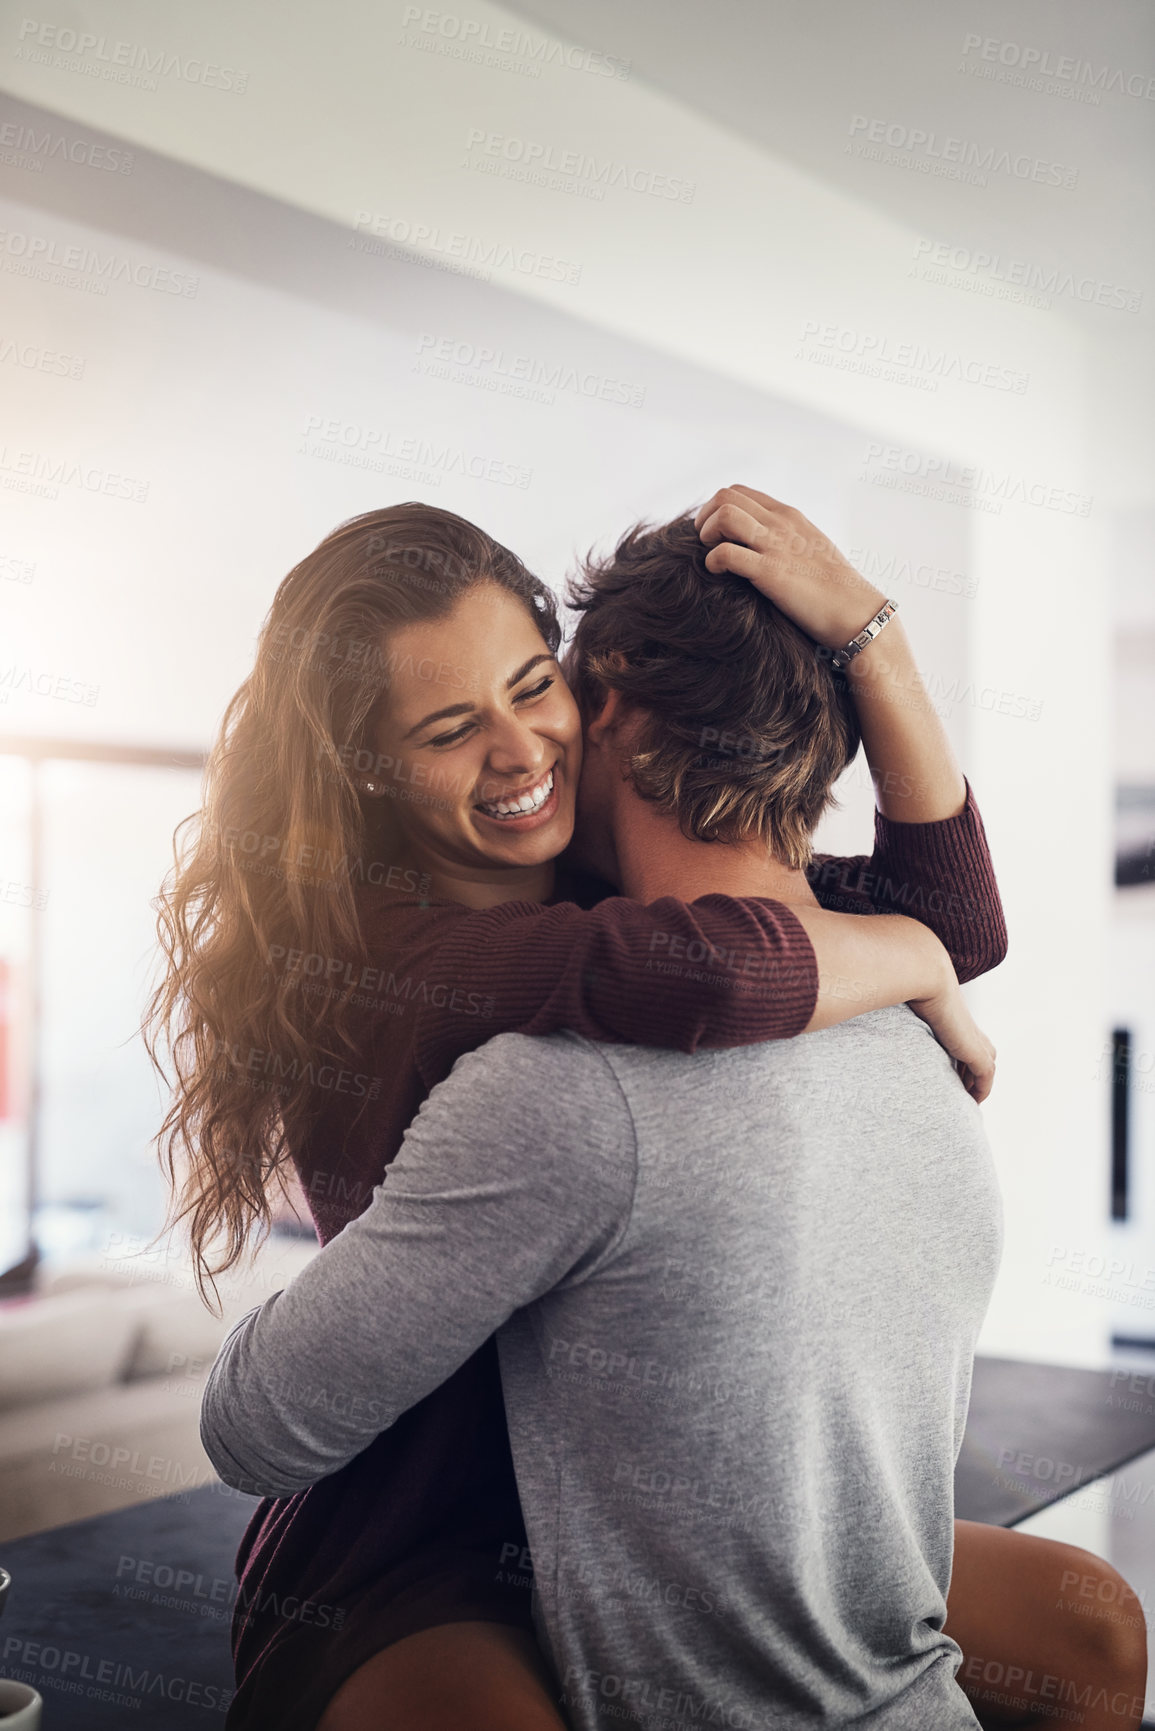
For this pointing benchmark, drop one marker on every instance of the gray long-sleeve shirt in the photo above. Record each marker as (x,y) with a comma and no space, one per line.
(737,1295)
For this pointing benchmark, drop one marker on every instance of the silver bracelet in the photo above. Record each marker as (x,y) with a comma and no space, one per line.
(867,635)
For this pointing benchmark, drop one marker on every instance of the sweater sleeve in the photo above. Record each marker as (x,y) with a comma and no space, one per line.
(938,873)
(515,1178)
(719,971)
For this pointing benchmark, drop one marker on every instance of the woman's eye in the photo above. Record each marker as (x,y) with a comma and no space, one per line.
(538,691)
(450,738)
(461,732)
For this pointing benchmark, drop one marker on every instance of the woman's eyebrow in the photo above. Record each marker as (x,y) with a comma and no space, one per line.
(437,715)
(515,678)
(464,708)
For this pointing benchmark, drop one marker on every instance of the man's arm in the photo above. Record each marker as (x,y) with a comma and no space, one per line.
(515,1176)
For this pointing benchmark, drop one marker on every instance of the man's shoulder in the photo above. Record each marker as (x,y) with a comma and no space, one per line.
(546,1105)
(510,1048)
(558,1065)
(893,1033)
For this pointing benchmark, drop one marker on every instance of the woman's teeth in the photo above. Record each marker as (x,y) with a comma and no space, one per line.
(527,802)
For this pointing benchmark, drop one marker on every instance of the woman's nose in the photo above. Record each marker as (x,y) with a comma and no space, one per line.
(516,748)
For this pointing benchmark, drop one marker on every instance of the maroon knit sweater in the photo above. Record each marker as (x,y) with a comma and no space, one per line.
(425,1526)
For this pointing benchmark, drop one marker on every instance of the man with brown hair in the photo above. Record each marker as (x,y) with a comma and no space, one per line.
(736,1292)
(743,727)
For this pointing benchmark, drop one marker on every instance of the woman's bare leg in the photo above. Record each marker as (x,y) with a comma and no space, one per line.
(484,1676)
(1049,1632)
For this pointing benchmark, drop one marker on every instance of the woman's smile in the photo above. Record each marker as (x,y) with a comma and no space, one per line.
(527,807)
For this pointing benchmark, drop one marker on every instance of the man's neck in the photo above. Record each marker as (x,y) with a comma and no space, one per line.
(655,859)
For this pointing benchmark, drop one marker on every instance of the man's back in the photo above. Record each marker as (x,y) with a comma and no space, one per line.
(735,1426)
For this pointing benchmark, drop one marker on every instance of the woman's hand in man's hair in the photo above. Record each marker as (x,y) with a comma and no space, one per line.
(789,561)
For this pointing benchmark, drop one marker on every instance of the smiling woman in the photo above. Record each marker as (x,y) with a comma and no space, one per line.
(395,612)
(503,760)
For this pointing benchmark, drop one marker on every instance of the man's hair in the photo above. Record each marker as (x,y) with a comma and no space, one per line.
(745,725)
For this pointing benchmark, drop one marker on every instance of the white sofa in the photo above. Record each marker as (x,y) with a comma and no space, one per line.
(101,1371)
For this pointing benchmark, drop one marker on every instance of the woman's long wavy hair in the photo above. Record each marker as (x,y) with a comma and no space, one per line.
(270,863)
